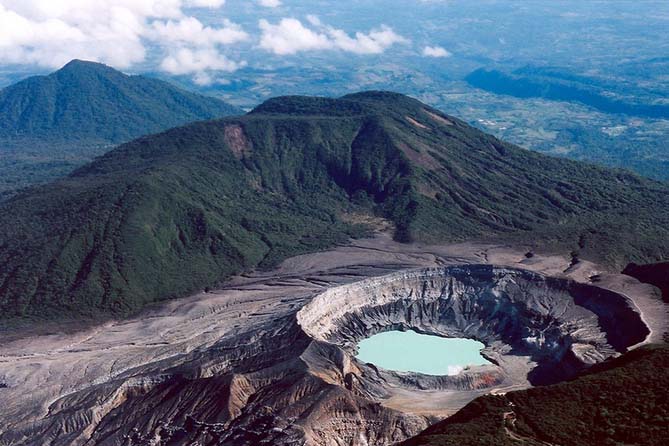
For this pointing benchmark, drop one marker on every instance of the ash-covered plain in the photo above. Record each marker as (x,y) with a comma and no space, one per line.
(270,358)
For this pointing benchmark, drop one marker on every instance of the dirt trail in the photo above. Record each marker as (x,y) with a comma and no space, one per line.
(510,419)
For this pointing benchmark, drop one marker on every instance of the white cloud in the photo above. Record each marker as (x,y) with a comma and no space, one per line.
(270,3)
(205,3)
(191,31)
(290,36)
(314,20)
(435,51)
(50,33)
(202,64)
(375,42)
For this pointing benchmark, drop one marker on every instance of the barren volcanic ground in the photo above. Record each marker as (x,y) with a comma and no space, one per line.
(270,358)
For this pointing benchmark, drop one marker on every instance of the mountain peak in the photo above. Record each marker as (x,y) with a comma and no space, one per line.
(307,105)
(90,101)
(82,62)
(76,65)
(383,96)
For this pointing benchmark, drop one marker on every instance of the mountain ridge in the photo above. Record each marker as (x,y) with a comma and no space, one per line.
(171,213)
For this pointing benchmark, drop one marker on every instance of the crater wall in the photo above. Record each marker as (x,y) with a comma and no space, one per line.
(559,325)
(275,366)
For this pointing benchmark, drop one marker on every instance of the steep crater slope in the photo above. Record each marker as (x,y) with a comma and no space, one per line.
(558,327)
(274,361)
(656,274)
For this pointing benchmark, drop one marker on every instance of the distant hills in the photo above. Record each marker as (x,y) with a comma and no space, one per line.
(619,402)
(557,86)
(91,101)
(168,214)
(632,148)
(48,124)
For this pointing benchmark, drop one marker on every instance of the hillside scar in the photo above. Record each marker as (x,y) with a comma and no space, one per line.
(414,122)
(237,141)
(438,118)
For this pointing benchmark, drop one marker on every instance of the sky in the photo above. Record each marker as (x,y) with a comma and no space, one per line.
(210,42)
(179,37)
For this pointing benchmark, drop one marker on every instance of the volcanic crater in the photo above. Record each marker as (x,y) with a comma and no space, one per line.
(272,360)
(536,329)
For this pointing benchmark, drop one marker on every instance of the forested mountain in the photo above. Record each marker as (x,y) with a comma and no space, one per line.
(91,101)
(167,214)
(50,125)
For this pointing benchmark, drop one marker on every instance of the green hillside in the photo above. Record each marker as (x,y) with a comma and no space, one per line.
(619,402)
(49,125)
(91,101)
(168,214)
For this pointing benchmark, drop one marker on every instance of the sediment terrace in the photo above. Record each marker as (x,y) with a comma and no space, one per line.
(270,358)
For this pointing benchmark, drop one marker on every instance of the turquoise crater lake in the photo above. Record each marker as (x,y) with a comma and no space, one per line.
(408,351)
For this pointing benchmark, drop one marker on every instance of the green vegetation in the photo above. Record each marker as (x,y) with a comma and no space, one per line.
(90,101)
(33,161)
(619,402)
(168,214)
(50,125)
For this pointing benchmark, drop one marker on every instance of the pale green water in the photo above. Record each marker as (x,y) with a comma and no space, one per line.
(408,351)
